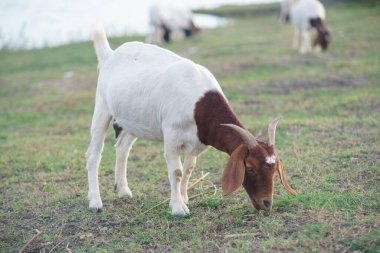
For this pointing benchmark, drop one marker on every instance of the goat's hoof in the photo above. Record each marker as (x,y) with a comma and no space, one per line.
(123,192)
(125,195)
(96,210)
(96,205)
(179,213)
(180,210)
(181,217)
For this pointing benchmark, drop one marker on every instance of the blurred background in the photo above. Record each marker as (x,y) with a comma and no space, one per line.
(40,23)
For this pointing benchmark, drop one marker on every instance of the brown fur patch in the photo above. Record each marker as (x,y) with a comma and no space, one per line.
(323,35)
(178,174)
(210,112)
(190,169)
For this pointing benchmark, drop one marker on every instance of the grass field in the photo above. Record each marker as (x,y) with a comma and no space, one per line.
(328,141)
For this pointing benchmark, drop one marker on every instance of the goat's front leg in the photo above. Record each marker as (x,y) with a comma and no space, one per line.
(188,166)
(173,161)
(305,41)
(123,147)
(156,35)
(100,123)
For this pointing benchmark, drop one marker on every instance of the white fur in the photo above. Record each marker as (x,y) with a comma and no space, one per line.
(270,159)
(172,17)
(300,13)
(151,93)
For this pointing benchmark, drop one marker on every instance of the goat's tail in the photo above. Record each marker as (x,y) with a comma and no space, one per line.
(102,47)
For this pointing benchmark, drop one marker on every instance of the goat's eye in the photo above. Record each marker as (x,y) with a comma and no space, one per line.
(251,170)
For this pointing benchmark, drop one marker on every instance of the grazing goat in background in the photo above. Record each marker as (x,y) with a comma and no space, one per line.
(169,23)
(152,93)
(304,15)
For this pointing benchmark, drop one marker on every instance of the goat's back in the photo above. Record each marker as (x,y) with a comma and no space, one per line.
(304,10)
(146,87)
(173,17)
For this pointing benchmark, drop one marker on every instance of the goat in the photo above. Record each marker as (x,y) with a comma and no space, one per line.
(168,22)
(152,93)
(304,15)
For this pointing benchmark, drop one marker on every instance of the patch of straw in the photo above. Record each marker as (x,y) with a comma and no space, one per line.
(67,249)
(192,197)
(30,241)
(58,245)
(239,235)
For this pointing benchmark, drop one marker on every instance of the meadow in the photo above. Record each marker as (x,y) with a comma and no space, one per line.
(328,139)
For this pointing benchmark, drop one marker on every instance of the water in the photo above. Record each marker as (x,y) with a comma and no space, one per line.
(42,23)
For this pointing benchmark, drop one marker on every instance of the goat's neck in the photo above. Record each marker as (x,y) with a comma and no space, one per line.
(227,139)
(211,111)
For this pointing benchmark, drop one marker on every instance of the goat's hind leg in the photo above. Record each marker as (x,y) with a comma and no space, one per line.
(123,147)
(100,123)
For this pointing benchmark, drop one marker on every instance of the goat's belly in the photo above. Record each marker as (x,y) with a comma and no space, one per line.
(140,124)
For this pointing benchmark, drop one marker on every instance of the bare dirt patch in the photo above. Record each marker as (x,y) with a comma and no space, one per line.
(226,68)
(287,86)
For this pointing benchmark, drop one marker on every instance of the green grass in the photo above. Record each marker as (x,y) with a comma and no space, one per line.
(329,141)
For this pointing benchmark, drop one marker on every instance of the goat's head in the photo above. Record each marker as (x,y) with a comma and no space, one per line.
(253,165)
(324,39)
(191,30)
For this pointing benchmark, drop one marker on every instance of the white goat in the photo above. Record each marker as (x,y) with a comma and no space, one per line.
(170,23)
(152,93)
(304,15)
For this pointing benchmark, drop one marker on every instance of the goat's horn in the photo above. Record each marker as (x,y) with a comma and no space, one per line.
(283,179)
(246,136)
(272,131)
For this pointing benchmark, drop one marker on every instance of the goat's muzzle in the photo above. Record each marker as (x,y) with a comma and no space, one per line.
(326,40)
(262,204)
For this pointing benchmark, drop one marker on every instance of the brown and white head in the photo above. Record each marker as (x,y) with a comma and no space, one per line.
(191,30)
(253,165)
(323,37)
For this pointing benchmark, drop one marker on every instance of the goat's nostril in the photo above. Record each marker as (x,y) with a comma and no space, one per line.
(267,203)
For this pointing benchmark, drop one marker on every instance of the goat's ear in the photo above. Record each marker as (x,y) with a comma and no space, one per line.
(283,179)
(233,175)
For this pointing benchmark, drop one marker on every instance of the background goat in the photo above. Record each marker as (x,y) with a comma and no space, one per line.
(168,23)
(304,15)
(151,93)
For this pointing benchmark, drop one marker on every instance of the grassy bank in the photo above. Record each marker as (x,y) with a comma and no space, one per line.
(328,141)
